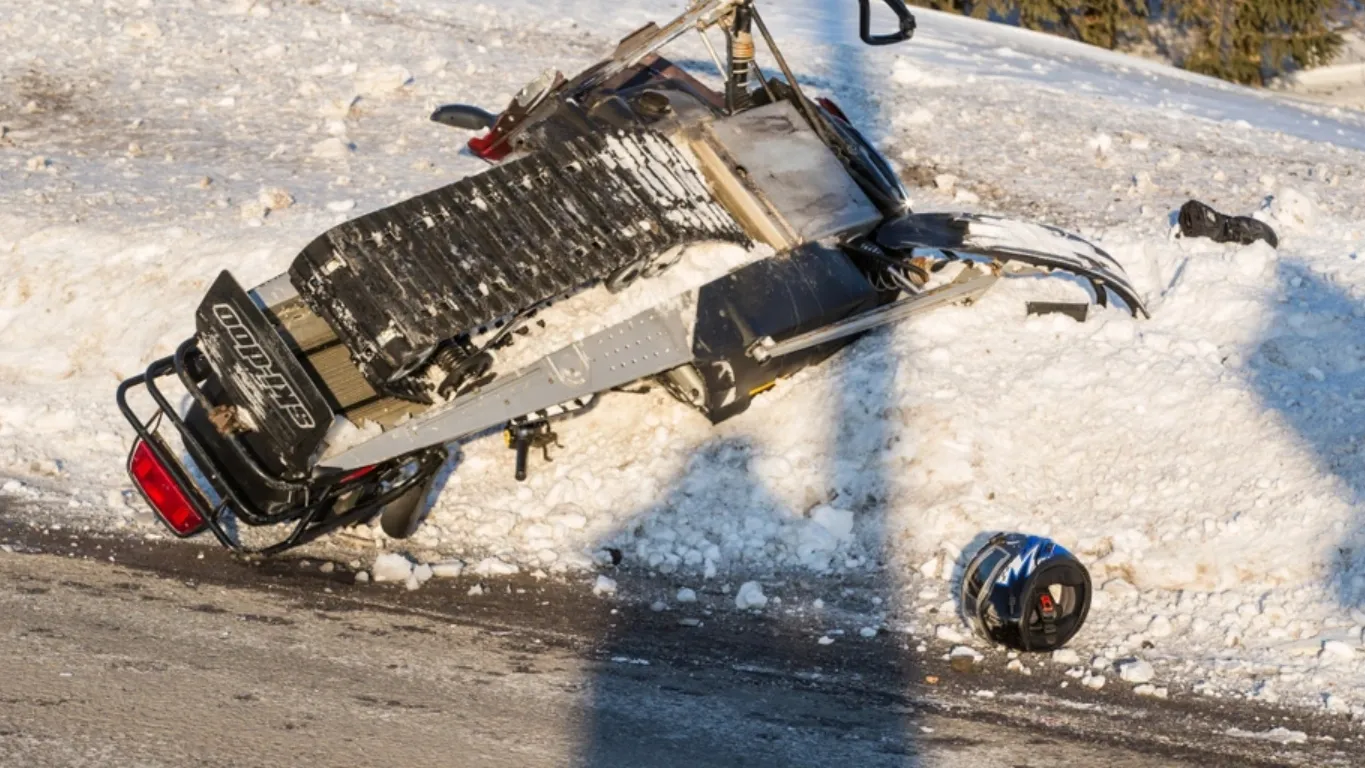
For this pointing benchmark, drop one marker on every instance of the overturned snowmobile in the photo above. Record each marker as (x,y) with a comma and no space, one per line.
(425,322)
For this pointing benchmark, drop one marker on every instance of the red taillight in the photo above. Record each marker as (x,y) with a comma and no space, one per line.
(489,146)
(359,473)
(166,498)
(833,109)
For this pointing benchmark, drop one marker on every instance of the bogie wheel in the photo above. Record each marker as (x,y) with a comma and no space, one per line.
(625,276)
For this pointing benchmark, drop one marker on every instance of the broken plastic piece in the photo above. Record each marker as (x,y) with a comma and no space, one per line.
(1199,220)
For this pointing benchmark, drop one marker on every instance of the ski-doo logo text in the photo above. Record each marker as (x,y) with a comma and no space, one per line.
(267,375)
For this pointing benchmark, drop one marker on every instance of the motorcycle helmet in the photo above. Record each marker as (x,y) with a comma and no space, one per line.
(1025,592)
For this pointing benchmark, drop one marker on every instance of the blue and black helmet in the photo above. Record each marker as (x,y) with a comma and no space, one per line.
(1025,592)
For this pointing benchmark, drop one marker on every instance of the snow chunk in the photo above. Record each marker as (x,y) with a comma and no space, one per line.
(1294,210)
(332,149)
(382,80)
(750,595)
(1148,689)
(1136,671)
(686,595)
(839,522)
(905,72)
(423,573)
(341,206)
(965,651)
(448,569)
(1334,651)
(275,198)
(948,634)
(492,566)
(1066,657)
(604,586)
(391,566)
(1093,682)
(1279,735)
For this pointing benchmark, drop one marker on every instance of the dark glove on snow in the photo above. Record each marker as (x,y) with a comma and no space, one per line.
(1199,220)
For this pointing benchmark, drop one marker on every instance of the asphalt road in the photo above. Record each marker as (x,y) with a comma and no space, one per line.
(164,658)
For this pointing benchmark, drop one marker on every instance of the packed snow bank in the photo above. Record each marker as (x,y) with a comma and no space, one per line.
(1203,463)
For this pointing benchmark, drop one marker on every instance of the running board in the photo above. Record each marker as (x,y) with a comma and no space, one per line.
(766,349)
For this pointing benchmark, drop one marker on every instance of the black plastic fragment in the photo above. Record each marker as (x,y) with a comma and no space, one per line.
(1199,220)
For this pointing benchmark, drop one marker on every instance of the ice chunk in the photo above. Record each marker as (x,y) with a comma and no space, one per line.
(391,566)
(447,569)
(333,148)
(750,595)
(382,80)
(1066,657)
(1136,671)
(492,566)
(604,586)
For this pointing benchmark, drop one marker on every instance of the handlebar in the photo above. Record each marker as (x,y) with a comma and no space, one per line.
(905,18)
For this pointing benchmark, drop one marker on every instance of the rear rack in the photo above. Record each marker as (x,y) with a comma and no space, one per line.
(319,494)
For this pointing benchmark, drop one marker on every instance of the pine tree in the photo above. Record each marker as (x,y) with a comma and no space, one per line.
(1248,41)
(1107,22)
(1245,41)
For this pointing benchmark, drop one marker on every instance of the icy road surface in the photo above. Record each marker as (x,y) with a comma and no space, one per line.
(1205,464)
(209,662)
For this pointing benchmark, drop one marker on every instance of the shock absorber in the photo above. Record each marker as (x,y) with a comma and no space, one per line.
(741,52)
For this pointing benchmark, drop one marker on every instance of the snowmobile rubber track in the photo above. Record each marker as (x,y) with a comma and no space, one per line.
(396,282)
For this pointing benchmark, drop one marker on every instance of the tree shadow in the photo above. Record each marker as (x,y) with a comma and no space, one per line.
(1309,366)
(756,719)
(640,716)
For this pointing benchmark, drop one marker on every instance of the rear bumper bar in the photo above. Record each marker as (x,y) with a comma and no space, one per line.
(218,494)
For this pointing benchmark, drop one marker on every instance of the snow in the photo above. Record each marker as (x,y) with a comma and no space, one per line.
(1203,464)
(965,651)
(391,566)
(750,595)
(604,586)
(492,566)
(1279,735)
(1136,671)
(1066,657)
(686,595)
(449,569)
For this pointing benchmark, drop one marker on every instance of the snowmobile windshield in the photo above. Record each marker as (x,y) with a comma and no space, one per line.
(650,38)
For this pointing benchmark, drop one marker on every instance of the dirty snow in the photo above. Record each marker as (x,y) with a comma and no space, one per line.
(1204,463)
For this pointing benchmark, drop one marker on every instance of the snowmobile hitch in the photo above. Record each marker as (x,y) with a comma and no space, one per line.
(523,437)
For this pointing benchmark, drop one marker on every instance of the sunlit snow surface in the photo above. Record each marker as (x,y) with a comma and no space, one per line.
(1204,463)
